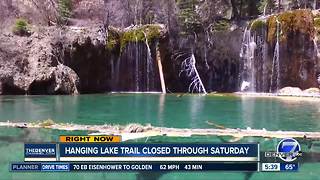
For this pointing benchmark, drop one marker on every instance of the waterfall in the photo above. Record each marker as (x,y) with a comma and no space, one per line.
(315,40)
(137,64)
(247,53)
(265,73)
(276,61)
(149,61)
(253,72)
(317,53)
(117,71)
(207,37)
(189,67)
(134,66)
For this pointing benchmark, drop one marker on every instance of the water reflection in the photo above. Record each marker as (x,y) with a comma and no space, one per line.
(162,100)
(195,109)
(247,105)
(281,113)
(189,111)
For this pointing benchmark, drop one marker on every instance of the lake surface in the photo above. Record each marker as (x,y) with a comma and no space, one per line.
(186,111)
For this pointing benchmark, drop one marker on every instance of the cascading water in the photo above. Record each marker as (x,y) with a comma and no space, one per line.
(253,69)
(315,42)
(149,60)
(276,55)
(247,54)
(208,41)
(135,67)
(275,76)
(137,63)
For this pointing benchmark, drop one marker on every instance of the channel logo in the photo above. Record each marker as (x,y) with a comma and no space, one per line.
(288,149)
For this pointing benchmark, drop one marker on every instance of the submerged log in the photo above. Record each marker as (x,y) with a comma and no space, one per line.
(137,131)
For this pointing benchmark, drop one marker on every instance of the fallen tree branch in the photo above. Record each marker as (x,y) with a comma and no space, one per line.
(215,125)
(137,131)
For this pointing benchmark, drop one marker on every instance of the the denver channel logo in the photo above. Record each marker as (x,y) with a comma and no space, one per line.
(288,150)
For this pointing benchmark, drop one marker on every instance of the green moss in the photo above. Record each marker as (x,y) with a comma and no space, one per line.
(258,24)
(272,28)
(140,34)
(121,39)
(298,21)
(221,25)
(131,36)
(317,22)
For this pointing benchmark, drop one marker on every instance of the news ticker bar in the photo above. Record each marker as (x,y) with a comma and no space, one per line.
(121,152)
(77,167)
(152,167)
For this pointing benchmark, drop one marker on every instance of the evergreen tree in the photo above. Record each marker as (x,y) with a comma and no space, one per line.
(64,10)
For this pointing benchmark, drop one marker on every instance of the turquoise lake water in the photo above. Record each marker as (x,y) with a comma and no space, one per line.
(187,111)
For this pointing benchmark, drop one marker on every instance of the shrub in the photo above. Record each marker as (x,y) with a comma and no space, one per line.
(21,27)
(64,11)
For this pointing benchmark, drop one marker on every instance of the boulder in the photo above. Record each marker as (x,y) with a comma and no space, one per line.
(66,80)
(312,91)
(290,91)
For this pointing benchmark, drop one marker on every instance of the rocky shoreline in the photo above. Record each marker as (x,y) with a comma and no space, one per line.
(290,92)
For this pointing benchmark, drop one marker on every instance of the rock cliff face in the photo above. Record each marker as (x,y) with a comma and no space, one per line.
(280,51)
(39,64)
(83,58)
(29,67)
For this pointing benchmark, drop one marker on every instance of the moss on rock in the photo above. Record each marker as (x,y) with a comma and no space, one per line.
(258,24)
(297,21)
(142,33)
(317,22)
(120,39)
(221,25)
(317,25)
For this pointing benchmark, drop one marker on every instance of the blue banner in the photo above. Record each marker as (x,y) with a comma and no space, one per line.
(40,150)
(159,150)
(289,167)
(55,167)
